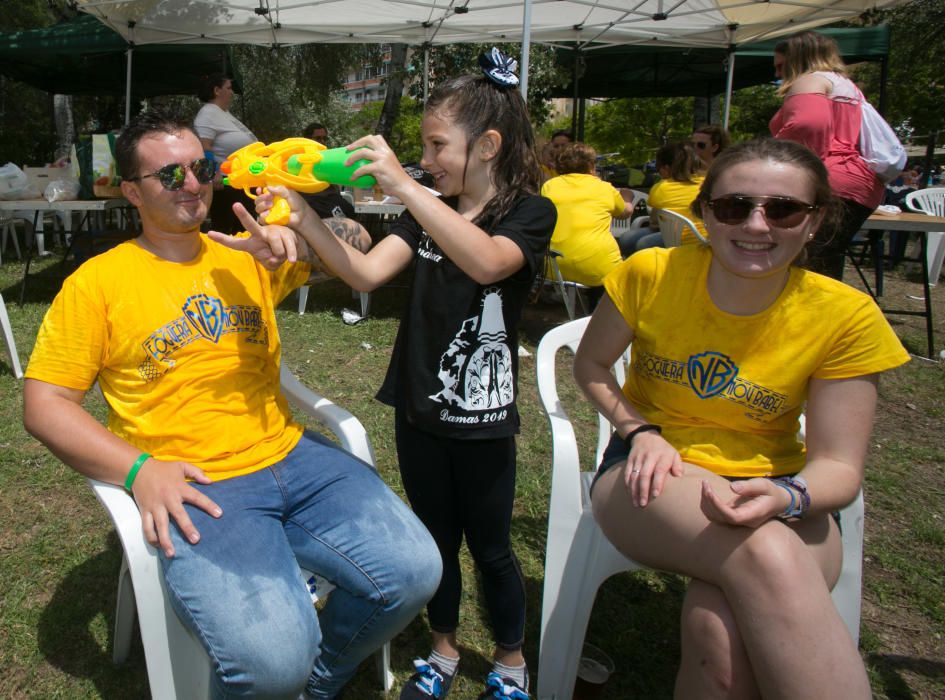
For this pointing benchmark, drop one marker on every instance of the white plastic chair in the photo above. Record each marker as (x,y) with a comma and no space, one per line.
(672,226)
(8,338)
(619,226)
(570,291)
(8,233)
(365,298)
(931,201)
(178,666)
(579,558)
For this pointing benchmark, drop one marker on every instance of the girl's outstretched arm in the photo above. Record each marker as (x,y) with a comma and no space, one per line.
(337,247)
(486,259)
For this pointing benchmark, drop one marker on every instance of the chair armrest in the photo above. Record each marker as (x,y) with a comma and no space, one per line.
(348,429)
(123,511)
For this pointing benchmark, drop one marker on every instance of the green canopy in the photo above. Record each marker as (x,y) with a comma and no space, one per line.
(82,56)
(645,71)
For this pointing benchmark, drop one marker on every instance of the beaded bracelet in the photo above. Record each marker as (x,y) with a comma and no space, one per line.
(130,479)
(800,505)
(789,511)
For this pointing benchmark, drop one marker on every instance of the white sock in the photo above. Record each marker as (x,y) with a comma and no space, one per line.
(519,674)
(446,664)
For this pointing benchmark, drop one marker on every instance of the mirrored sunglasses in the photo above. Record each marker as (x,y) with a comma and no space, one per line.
(784,212)
(173,175)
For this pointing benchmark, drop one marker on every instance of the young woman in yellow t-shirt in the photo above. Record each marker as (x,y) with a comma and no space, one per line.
(681,176)
(705,476)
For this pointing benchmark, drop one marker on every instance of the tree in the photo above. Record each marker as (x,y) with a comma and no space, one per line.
(636,128)
(394,88)
(916,83)
(452,60)
(285,88)
(404,137)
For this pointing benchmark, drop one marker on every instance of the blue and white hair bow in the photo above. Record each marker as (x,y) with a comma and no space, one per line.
(499,68)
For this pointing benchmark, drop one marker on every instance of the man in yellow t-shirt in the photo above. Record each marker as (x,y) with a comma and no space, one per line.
(180,333)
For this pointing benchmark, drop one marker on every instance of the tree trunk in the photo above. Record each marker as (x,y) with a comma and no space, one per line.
(395,88)
(65,127)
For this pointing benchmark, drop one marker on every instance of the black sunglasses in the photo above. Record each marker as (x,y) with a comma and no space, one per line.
(785,212)
(172,176)
(699,144)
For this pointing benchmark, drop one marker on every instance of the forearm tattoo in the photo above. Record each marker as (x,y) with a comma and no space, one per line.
(351,232)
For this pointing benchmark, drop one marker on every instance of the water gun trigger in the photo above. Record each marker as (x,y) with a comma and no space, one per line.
(280,212)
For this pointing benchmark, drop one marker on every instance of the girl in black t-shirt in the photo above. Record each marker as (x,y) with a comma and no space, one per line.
(452,376)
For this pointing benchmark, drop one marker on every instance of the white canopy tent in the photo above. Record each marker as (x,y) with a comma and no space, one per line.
(587,23)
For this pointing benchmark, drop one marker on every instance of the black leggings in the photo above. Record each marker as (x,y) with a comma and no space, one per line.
(467,487)
(827,252)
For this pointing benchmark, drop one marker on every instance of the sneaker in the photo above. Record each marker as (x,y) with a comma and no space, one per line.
(502,688)
(430,681)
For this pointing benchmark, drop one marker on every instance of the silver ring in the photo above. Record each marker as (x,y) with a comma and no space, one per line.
(634,471)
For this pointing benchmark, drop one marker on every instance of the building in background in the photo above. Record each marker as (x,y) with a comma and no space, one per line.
(366,84)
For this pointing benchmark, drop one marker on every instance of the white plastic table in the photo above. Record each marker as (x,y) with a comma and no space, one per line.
(925,226)
(93,218)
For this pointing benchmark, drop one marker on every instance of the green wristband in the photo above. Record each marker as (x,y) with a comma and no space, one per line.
(130,479)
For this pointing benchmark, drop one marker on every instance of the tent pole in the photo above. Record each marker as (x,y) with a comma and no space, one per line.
(728,86)
(128,85)
(129,52)
(526,46)
(574,100)
(883,75)
(426,71)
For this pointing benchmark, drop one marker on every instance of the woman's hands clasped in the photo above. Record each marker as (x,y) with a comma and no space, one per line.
(756,502)
(648,463)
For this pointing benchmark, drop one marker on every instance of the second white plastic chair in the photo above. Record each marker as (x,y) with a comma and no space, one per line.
(931,201)
(672,226)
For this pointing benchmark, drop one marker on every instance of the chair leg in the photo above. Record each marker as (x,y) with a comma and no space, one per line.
(125,612)
(567,601)
(365,303)
(847,592)
(568,293)
(303,298)
(382,662)
(8,337)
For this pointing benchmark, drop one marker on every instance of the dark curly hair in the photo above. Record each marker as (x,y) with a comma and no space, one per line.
(574,158)
(476,104)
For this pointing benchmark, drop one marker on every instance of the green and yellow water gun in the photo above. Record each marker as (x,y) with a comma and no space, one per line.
(300,164)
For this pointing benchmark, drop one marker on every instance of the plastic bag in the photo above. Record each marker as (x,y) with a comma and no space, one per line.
(14,184)
(61,190)
(879,145)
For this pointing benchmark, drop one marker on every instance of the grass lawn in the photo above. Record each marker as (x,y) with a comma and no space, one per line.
(59,559)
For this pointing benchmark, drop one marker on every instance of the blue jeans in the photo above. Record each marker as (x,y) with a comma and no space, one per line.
(239,589)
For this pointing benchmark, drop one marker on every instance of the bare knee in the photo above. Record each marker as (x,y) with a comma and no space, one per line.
(773,561)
